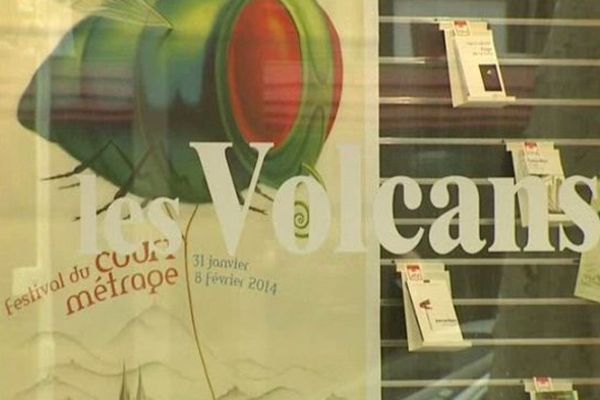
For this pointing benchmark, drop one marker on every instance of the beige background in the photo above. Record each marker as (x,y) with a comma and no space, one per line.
(311,338)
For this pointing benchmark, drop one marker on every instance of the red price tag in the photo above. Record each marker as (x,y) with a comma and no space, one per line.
(536,160)
(543,384)
(531,147)
(414,272)
(462,28)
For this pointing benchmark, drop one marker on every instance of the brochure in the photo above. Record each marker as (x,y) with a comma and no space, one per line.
(432,304)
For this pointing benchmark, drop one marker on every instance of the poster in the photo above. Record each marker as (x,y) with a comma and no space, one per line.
(105,101)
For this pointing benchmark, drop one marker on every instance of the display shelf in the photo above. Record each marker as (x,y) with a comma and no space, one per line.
(490,261)
(500,302)
(561,22)
(508,342)
(421,136)
(407,100)
(476,382)
(480,141)
(514,60)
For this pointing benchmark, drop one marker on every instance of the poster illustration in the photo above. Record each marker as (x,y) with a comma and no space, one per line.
(164,162)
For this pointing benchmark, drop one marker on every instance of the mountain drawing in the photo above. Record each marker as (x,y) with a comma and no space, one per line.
(152,318)
(53,388)
(75,377)
(67,348)
(234,394)
(85,374)
(154,335)
(295,377)
(279,393)
(159,346)
(154,343)
(334,397)
(250,369)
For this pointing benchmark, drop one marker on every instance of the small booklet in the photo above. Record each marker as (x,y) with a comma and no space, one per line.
(542,160)
(545,162)
(479,64)
(431,322)
(473,68)
(588,276)
(432,304)
(546,388)
(555,395)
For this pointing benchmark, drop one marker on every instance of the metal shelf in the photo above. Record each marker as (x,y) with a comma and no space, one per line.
(523,102)
(550,22)
(418,383)
(500,302)
(487,261)
(506,61)
(475,141)
(512,342)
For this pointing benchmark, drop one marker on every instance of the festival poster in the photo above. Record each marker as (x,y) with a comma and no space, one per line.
(148,147)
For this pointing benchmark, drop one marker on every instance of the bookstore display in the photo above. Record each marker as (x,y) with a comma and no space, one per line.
(300,200)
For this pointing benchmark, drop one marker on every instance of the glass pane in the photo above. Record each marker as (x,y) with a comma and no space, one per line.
(517,307)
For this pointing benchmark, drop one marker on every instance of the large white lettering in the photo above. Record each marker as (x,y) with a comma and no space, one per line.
(580,212)
(231,215)
(505,191)
(383,214)
(222,190)
(466,213)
